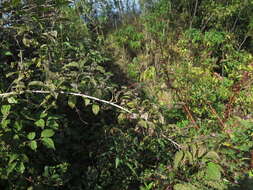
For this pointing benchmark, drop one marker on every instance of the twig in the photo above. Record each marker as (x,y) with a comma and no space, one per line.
(68,93)
(215,113)
(187,110)
(236,89)
(203,25)
(195,12)
(4,95)
(173,142)
(245,38)
(79,115)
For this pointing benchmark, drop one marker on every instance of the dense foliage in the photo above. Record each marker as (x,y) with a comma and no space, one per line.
(156,94)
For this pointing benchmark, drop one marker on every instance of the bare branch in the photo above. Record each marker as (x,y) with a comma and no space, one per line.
(178,146)
(195,12)
(240,46)
(4,95)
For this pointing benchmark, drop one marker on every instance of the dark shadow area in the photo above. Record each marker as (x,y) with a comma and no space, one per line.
(245,183)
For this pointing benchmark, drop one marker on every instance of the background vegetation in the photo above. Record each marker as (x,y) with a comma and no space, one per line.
(156,94)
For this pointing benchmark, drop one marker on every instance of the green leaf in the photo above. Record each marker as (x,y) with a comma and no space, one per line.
(43,115)
(52,124)
(72,64)
(201,151)
(5,122)
(5,110)
(11,167)
(8,53)
(86,101)
(213,171)
(185,187)
(193,150)
(36,83)
(95,109)
(13,157)
(212,155)
(189,156)
(47,133)
(49,143)
(31,135)
(21,167)
(33,145)
(143,124)
(26,42)
(178,158)
(72,101)
(40,123)
(117,161)
(12,100)
(131,168)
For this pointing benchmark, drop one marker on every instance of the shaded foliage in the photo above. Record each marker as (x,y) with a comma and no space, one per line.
(182,69)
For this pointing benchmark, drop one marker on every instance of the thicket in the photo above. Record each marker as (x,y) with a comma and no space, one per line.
(156,94)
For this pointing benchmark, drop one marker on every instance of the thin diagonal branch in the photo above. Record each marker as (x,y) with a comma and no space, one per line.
(3,95)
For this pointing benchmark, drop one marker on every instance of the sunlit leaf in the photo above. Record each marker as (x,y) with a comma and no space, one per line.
(21,167)
(72,101)
(47,133)
(213,171)
(95,109)
(36,83)
(5,109)
(86,101)
(117,161)
(178,158)
(31,135)
(12,100)
(49,143)
(40,123)
(33,145)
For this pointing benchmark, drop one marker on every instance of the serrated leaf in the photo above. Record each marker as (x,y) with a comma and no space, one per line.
(31,135)
(40,123)
(178,158)
(95,109)
(49,143)
(33,145)
(72,101)
(213,171)
(5,110)
(47,133)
